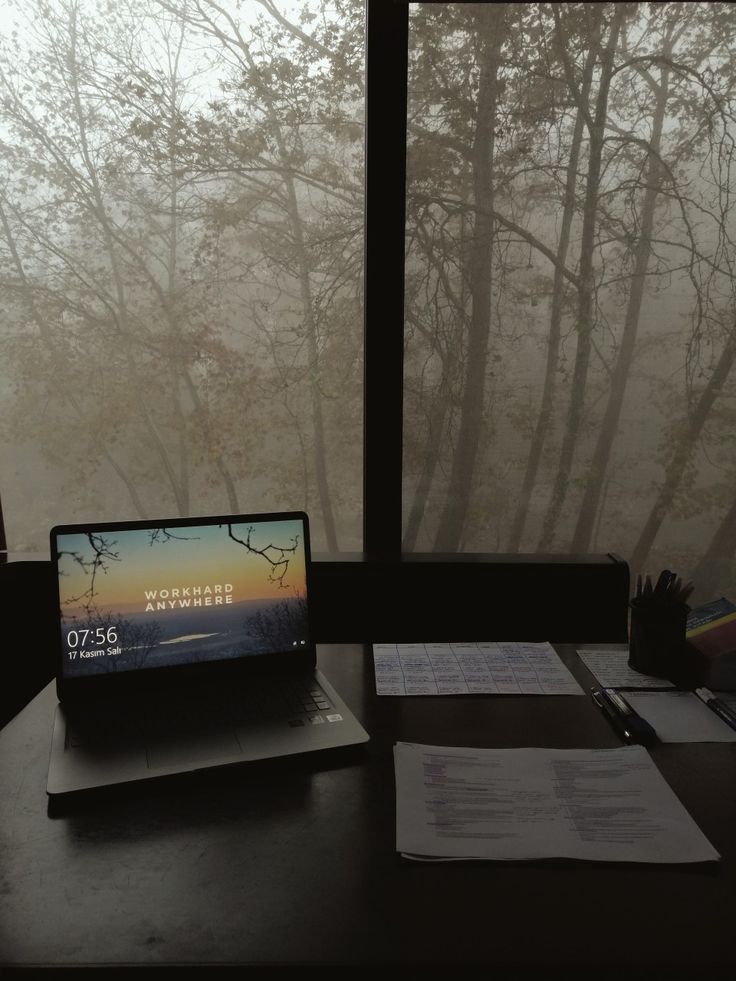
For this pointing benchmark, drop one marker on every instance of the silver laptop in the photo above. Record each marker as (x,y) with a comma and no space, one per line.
(186,644)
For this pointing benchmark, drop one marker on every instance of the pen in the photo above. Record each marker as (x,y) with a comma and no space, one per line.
(612,716)
(641,731)
(668,586)
(720,708)
(630,726)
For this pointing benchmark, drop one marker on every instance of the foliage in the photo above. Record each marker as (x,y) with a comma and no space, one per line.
(181,263)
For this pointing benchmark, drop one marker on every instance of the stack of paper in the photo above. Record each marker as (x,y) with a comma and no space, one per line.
(609,805)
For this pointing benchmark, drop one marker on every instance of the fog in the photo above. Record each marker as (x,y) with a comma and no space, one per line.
(181,223)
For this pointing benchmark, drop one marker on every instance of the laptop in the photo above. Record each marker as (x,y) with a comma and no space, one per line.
(186,644)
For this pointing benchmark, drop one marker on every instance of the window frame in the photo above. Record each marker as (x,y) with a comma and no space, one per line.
(386,83)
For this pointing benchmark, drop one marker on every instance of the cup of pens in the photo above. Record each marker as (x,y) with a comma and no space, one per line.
(657,643)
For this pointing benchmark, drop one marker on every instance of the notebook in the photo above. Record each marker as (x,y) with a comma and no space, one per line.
(186,644)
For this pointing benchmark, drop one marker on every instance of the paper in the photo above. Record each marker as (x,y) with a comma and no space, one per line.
(680,717)
(471,669)
(611,670)
(610,805)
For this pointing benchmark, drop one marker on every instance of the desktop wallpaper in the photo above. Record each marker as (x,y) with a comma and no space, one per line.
(134,599)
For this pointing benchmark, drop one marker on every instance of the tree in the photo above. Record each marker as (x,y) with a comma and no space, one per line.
(596,123)
(296,199)
(96,266)
(203,261)
(657,174)
(491,29)
(549,387)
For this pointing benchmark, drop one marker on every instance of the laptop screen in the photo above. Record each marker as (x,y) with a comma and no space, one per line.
(149,595)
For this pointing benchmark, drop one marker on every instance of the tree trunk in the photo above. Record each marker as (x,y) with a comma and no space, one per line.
(584,323)
(553,344)
(442,401)
(682,452)
(716,566)
(432,449)
(320,449)
(310,325)
(491,31)
(612,414)
(177,367)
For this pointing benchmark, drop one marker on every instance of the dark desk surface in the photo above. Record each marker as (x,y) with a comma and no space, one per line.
(295,862)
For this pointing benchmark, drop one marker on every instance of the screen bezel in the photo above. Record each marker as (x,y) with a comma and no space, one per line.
(172,676)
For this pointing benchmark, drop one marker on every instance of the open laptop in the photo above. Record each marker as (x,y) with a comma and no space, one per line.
(186,644)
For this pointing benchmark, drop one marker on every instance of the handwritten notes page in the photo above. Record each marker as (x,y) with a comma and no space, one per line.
(611,669)
(610,805)
(471,669)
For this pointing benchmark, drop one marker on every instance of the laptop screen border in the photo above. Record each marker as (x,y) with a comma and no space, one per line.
(172,676)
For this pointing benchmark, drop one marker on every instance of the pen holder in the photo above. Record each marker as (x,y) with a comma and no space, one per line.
(657,643)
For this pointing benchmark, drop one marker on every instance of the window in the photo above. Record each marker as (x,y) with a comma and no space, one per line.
(546,278)
(569,283)
(181,248)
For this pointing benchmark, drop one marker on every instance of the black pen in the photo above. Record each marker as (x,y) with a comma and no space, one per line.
(720,708)
(613,717)
(630,726)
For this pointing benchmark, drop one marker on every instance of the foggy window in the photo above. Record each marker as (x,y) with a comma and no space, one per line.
(181,263)
(569,374)
(181,252)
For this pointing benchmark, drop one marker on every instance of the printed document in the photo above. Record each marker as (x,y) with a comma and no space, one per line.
(471,669)
(608,805)
(611,669)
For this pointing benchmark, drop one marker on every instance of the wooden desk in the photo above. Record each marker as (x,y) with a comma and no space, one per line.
(294,863)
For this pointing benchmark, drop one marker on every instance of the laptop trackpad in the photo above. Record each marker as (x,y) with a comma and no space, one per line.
(187,750)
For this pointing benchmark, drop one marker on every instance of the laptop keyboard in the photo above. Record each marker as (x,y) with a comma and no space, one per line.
(295,701)
(292,700)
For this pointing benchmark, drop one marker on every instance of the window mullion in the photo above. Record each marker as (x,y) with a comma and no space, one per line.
(387,35)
